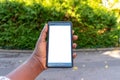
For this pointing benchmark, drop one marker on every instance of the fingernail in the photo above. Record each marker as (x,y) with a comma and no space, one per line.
(45,25)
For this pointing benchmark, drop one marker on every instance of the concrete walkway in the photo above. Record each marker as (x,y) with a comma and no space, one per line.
(89,65)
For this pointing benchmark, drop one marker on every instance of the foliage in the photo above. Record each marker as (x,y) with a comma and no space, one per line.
(98,27)
(21,22)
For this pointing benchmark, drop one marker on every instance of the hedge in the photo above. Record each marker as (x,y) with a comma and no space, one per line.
(20,24)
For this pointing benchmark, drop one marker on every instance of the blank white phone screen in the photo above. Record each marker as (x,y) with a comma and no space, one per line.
(59,48)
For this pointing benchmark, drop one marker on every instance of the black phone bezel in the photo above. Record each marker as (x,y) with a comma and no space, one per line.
(60,23)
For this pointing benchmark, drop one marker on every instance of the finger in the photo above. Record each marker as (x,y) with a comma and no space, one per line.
(74,45)
(74,55)
(75,37)
(44,33)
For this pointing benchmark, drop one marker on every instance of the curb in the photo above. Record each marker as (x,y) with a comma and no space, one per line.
(15,51)
(76,50)
(97,49)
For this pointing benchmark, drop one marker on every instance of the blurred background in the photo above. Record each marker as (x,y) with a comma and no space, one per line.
(96,22)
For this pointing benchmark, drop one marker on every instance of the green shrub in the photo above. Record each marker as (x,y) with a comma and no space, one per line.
(20,23)
(98,27)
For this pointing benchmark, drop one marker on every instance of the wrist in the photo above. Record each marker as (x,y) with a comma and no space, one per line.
(35,63)
(29,70)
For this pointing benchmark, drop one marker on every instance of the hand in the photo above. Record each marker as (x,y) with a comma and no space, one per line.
(30,69)
(40,49)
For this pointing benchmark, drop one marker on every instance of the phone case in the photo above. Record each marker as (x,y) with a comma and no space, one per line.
(60,65)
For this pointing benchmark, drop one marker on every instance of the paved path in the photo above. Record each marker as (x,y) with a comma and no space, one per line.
(93,65)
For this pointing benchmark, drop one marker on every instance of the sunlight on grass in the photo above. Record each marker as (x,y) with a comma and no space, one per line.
(2,1)
(27,2)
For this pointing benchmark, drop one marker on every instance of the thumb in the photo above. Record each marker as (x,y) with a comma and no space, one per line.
(43,34)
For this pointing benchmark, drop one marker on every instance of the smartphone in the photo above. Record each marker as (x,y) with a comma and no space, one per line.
(59,53)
